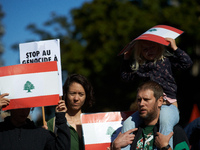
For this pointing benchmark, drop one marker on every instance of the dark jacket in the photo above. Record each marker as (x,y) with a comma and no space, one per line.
(30,137)
(193,133)
(180,140)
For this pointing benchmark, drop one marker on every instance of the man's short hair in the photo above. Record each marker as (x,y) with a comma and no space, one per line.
(154,86)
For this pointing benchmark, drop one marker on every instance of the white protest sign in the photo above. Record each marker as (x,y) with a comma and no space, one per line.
(42,51)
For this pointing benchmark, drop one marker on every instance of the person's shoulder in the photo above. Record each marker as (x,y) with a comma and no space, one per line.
(178,127)
(180,139)
(178,130)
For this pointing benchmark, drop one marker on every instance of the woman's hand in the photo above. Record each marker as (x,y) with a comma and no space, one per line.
(61,106)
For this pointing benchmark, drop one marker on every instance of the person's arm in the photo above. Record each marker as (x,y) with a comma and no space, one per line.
(123,139)
(63,132)
(172,43)
(180,140)
(127,74)
(62,140)
(181,59)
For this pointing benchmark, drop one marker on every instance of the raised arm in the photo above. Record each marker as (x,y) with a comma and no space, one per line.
(181,59)
(62,140)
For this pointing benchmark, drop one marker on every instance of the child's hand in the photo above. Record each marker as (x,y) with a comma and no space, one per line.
(4,101)
(162,140)
(172,43)
(127,54)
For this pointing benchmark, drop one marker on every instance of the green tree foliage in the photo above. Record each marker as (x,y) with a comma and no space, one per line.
(101,28)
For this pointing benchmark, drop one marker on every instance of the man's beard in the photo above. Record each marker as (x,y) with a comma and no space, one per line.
(150,116)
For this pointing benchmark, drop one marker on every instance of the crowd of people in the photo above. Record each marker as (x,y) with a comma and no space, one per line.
(153,126)
(151,62)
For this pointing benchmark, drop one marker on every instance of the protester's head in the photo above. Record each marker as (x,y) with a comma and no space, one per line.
(147,51)
(78,93)
(149,100)
(153,86)
(19,116)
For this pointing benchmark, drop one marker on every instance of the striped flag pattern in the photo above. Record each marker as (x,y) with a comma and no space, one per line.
(155,34)
(100,129)
(30,85)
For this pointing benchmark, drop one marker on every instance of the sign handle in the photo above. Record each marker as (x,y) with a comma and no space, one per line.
(43,115)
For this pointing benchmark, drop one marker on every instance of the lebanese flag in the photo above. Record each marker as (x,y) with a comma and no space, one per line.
(100,129)
(30,85)
(155,34)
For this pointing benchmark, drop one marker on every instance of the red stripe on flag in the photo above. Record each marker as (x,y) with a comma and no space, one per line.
(169,28)
(105,117)
(101,146)
(154,38)
(28,68)
(101,117)
(30,102)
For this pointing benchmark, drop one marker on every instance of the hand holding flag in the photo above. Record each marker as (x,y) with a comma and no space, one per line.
(156,34)
(3,100)
(37,85)
(172,43)
(61,106)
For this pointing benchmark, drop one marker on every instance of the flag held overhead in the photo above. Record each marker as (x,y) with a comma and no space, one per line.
(155,34)
(30,85)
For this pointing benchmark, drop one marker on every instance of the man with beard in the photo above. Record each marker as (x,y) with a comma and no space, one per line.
(146,136)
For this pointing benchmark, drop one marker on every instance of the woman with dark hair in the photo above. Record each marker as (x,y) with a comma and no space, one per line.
(78,95)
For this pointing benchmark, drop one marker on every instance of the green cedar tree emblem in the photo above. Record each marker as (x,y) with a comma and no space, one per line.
(151,30)
(110,131)
(28,86)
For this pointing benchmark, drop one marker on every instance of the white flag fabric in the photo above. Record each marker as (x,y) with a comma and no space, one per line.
(100,129)
(156,34)
(42,51)
(30,85)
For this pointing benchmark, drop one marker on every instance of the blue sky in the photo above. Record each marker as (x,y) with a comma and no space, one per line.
(20,13)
